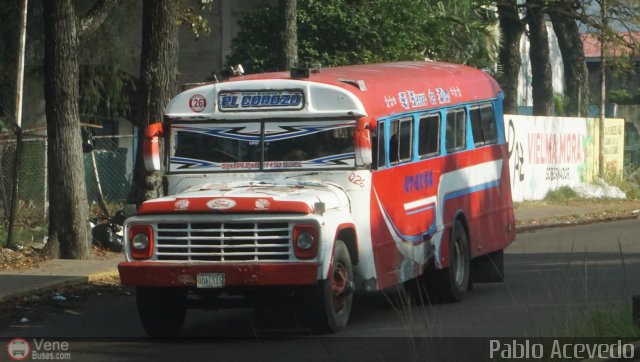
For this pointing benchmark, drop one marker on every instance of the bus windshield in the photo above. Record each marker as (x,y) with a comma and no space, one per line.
(261,145)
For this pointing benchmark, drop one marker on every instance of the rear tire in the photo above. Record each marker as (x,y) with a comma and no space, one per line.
(161,310)
(455,278)
(451,283)
(327,306)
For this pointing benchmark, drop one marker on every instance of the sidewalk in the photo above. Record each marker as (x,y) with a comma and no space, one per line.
(57,273)
(534,215)
(54,274)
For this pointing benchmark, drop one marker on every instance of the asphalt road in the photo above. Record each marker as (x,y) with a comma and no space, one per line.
(554,277)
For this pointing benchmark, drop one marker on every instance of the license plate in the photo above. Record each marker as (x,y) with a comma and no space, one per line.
(210,280)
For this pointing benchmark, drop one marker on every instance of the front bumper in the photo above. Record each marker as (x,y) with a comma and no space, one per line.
(161,274)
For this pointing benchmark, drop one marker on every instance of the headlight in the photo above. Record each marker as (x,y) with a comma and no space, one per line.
(140,241)
(305,241)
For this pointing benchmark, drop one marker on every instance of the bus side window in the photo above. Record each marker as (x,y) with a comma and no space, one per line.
(483,125)
(489,124)
(456,130)
(400,141)
(378,160)
(429,135)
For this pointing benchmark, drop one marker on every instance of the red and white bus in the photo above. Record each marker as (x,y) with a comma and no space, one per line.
(315,185)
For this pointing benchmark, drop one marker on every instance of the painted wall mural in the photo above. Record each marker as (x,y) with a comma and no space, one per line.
(546,153)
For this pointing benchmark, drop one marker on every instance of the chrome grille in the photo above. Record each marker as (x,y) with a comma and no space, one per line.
(223,241)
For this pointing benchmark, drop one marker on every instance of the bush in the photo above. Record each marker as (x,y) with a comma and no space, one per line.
(562,194)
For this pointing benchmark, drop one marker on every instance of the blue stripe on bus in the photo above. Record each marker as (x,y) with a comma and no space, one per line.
(470,190)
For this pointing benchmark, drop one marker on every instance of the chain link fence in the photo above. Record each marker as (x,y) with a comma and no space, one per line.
(114,159)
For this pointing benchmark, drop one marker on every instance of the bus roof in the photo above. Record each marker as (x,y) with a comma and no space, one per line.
(377,89)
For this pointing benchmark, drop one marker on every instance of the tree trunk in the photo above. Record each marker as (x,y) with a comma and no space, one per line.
(69,236)
(289,55)
(541,77)
(511,28)
(575,66)
(69,232)
(9,49)
(158,69)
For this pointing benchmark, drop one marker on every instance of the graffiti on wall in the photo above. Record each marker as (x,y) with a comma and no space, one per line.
(516,157)
(545,153)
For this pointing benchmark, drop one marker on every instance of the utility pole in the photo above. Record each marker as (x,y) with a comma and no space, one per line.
(18,120)
(603,85)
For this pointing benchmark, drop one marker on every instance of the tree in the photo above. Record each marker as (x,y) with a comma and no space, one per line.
(9,47)
(511,27)
(289,33)
(541,77)
(158,70)
(337,32)
(564,20)
(69,235)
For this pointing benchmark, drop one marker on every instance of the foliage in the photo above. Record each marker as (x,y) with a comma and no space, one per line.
(624,96)
(105,91)
(105,86)
(620,96)
(628,183)
(336,32)
(562,194)
(612,322)
(559,103)
(190,17)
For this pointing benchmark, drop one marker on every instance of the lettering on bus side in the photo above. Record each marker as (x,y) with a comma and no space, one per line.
(418,182)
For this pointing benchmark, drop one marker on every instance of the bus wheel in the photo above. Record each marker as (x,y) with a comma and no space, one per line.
(161,310)
(455,278)
(327,305)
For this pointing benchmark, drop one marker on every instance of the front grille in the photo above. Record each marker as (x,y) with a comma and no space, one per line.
(223,241)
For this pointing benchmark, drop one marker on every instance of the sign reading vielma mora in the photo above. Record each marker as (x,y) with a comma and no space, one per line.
(546,153)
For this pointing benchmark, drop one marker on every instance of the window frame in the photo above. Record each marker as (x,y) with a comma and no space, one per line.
(456,147)
(483,122)
(407,122)
(438,120)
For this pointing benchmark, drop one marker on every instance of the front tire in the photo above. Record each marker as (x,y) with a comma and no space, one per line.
(327,306)
(162,311)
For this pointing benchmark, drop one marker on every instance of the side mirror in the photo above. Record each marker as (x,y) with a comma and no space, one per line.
(363,140)
(151,146)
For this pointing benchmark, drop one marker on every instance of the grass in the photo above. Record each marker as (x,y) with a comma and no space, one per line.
(24,235)
(628,186)
(612,322)
(31,225)
(562,194)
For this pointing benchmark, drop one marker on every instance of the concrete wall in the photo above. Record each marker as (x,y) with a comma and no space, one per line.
(546,153)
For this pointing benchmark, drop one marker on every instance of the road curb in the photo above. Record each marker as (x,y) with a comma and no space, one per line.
(62,282)
(534,227)
(102,275)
